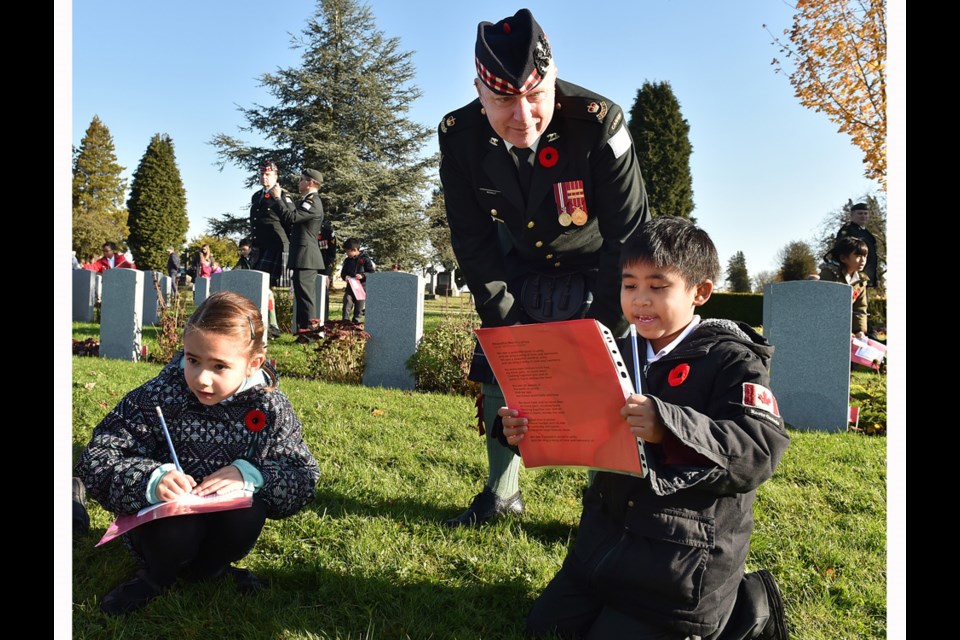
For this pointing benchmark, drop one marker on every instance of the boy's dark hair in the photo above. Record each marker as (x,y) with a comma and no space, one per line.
(674,243)
(112,245)
(246,242)
(350,244)
(847,245)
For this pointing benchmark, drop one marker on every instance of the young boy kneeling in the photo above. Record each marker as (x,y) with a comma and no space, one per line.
(663,556)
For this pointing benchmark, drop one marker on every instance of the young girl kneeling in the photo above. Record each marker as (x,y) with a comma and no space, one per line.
(231,430)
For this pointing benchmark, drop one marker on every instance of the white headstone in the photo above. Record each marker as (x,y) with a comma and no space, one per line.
(808,323)
(84,294)
(151,302)
(252,284)
(201,289)
(120,320)
(320,298)
(394,320)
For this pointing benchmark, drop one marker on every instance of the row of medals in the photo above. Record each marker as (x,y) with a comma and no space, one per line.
(578,217)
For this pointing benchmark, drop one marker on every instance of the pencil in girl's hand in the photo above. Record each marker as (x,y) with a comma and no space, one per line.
(166,433)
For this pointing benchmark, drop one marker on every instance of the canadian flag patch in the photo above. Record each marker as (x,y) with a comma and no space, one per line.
(757,395)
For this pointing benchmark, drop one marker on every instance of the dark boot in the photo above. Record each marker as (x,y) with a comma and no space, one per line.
(487,507)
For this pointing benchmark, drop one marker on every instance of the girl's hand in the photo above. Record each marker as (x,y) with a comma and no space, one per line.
(642,417)
(174,484)
(513,426)
(222,481)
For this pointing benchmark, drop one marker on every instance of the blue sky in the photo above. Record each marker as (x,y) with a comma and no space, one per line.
(765,170)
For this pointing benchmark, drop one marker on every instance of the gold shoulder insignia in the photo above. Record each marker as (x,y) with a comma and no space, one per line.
(616,122)
(447,122)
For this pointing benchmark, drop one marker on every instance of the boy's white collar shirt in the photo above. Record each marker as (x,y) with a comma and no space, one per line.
(653,357)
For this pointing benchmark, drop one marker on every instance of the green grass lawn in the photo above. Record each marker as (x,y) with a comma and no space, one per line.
(370,559)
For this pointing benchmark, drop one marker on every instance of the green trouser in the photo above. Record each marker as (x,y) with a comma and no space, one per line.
(504,463)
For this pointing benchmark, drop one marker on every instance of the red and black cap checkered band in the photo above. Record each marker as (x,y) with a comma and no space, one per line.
(513,55)
(503,87)
(268,165)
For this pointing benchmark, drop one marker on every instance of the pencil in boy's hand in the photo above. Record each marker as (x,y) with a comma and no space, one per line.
(636,360)
(166,434)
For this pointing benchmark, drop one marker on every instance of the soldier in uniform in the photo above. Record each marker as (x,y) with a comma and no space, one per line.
(542,186)
(270,241)
(306,260)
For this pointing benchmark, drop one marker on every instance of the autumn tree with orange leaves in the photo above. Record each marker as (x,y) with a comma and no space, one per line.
(838,50)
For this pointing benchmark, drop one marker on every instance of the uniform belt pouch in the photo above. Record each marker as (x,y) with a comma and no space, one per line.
(549,298)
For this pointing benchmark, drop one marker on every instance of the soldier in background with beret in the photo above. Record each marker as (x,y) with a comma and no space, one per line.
(542,185)
(306,260)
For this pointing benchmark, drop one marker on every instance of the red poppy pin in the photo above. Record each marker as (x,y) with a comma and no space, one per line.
(678,374)
(255,420)
(548,156)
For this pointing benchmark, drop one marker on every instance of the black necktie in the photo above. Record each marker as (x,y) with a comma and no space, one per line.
(524,169)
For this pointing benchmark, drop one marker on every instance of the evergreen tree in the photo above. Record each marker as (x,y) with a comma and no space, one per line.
(796,262)
(439,232)
(343,111)
(236,228)
(157,206)
(738,280)
(662,137)
(98,190)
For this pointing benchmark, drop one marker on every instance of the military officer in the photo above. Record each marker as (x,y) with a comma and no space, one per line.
(270,241)
(306,260)
(542,185)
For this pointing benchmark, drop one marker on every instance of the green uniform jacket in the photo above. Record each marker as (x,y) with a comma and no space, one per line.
(498,240)
(304,223)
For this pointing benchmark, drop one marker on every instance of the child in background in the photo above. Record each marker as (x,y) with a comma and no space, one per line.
(356,265)
(852,254)
(663,556)
(231,429)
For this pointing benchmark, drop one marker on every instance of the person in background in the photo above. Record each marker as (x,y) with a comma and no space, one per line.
(857,228)
(853,254)
(328,249)
(356,265)
(111,259)
(173,269)
(305,223)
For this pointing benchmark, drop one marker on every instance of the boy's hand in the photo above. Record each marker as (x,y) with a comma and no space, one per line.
(173,484)
(642,417)
(222,481)
(513,426)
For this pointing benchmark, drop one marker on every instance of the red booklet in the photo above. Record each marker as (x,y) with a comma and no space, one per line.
(187,503)
(570,381)
(357,287)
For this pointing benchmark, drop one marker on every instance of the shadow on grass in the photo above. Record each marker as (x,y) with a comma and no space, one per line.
(408,509)
(303,600)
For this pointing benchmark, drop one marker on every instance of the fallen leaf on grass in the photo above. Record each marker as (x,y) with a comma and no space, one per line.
(89,385)
(103,404)
(377,412)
